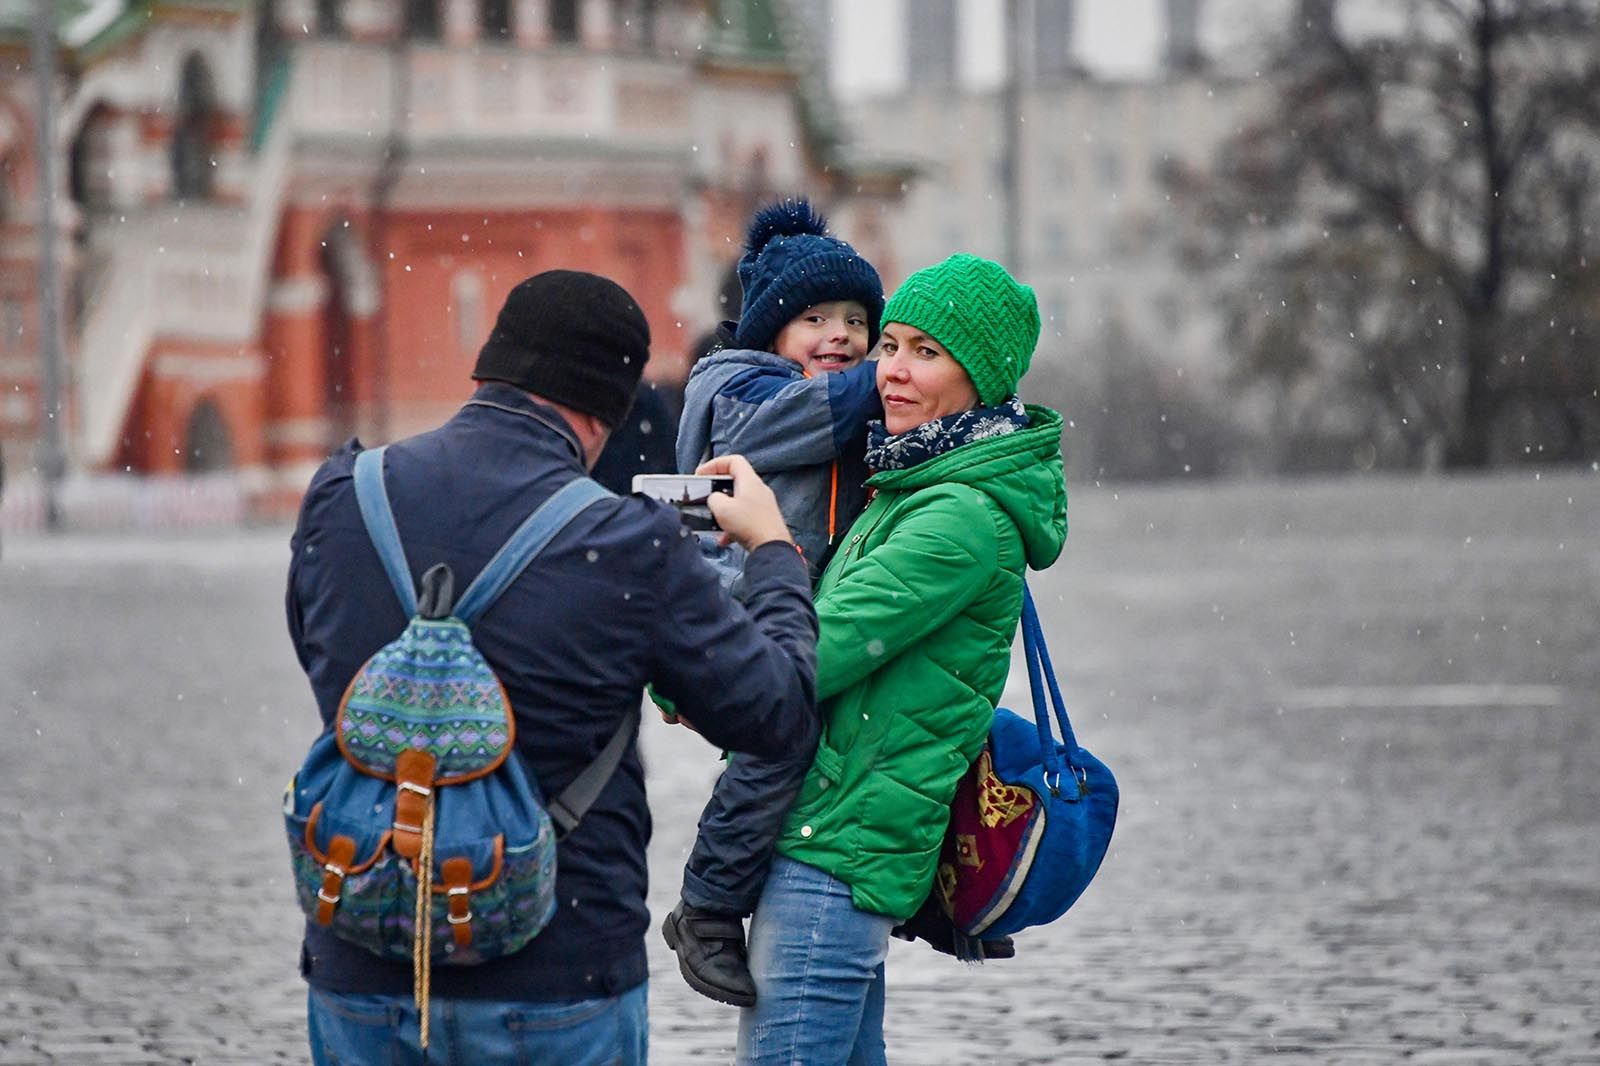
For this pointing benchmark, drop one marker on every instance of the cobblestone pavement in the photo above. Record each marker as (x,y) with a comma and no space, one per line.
(1354,724)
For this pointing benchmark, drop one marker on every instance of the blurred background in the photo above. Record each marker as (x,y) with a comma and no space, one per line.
(1321,309)
(1268,237)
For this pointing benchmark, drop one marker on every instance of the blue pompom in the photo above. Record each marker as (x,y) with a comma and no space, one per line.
(786,218)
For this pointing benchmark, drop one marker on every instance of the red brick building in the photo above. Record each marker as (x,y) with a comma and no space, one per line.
(286,222)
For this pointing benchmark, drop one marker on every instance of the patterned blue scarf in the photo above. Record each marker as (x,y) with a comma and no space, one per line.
(921,443)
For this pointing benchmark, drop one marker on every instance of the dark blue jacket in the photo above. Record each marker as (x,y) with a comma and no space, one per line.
(620,598)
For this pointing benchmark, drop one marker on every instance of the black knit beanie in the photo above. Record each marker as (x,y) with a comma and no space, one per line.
(575,338)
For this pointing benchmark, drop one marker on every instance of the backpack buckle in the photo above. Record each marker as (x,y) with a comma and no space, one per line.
(341,853)
(463,914)
(413,782)
(457,875)
(332,885)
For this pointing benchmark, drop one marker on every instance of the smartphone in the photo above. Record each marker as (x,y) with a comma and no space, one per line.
(686,492)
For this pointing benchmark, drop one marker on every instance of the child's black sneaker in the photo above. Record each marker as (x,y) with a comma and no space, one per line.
(711,954)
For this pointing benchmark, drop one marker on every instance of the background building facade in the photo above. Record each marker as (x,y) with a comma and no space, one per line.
(1096,232)
(285,222)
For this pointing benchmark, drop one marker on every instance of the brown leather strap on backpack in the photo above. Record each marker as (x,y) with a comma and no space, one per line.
(413,782)
(341,853)
(456,880)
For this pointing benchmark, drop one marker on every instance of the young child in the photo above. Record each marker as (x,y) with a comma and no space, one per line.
(793,395)
(791,392)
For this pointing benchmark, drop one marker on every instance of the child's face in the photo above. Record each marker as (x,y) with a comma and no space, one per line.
(825,336)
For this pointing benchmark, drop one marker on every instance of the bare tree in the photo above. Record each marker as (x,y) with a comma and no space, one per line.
(1412,235)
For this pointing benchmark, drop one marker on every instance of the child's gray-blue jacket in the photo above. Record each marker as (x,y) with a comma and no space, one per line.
(806,436)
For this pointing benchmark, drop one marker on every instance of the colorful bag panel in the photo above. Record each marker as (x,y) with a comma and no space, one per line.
(994,833)
(429,691)
(491,894)
(1017,853)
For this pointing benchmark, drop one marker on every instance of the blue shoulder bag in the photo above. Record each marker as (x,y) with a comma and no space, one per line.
(1031,820)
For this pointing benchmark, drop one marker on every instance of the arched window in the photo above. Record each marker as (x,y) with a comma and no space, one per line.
(564,21)
(8,193)
(328,20)
(352,297)
(207,444)
(422,19)
(647,16)
(638,21)
(466,296)
(90,160)
(194,161)
(495,16)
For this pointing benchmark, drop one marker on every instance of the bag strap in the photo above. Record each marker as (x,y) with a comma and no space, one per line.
(1042,679)
(373,499)
(568,809)
(529,540)
(536,531)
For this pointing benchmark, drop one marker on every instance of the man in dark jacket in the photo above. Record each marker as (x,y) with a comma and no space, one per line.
(619,598)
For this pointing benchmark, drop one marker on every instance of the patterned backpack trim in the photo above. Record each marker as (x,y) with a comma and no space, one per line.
(412,696)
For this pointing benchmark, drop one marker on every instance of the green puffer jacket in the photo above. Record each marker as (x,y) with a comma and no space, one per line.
(918,609)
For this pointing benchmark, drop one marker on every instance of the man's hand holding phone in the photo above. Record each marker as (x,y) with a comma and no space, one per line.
(726,495)
(750,516)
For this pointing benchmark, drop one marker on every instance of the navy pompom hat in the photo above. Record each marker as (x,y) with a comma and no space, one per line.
(790,263)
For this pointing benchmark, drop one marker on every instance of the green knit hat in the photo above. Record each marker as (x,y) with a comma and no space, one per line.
(985,318)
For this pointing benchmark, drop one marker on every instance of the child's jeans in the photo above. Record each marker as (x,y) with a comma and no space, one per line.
(741,821)
(739,828)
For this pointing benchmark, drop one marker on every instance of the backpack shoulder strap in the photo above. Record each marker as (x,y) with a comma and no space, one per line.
(568,809)
(528,541)
(376,515)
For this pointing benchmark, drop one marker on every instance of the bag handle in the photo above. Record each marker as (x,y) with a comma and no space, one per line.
(1038,658)
(373,499)
(528,541)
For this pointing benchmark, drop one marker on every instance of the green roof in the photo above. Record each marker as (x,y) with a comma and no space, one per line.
(746,29)
(89,26)
(16,16)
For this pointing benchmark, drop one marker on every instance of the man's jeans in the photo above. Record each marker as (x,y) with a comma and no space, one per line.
(818,966)
(369,1030)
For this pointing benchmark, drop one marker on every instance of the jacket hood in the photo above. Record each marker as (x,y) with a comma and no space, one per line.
(1021,471)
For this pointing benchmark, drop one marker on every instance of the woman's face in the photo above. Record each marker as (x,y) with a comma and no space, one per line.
(918,380)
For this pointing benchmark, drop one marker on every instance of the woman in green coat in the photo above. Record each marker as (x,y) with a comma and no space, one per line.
(917,609)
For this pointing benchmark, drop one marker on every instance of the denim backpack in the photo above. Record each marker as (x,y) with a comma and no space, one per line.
(418,792)
(1031,820)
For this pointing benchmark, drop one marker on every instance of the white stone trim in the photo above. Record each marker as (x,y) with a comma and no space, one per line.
(20,367)
(294,477)
(210,369)
(296,296)
(292,432)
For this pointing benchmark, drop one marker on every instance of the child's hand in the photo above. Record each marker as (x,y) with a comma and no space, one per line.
(668,709)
